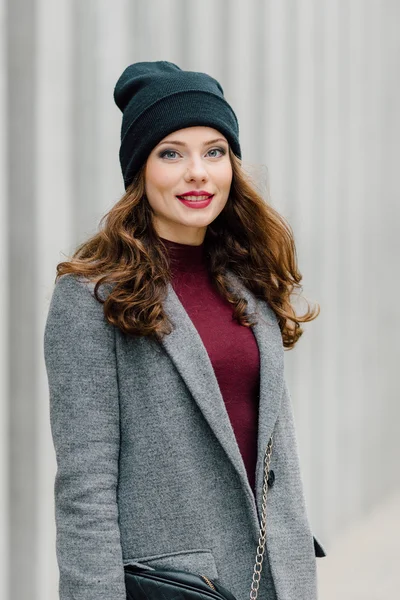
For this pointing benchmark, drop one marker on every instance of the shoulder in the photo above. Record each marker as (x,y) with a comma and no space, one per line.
(71,289)
(74,306)
(70,283)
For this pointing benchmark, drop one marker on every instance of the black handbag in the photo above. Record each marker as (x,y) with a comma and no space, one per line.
(153,584)
(169,584)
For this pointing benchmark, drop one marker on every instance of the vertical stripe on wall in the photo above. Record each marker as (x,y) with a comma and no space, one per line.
(21,286)
(4,311)
(55,144)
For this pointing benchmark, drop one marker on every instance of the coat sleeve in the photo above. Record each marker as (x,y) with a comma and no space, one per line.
(289,525)
(79,351)
(288,420)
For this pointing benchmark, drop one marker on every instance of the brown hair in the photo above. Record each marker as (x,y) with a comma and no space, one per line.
(249,237)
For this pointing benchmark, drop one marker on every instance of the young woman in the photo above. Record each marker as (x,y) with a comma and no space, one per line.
(164,347)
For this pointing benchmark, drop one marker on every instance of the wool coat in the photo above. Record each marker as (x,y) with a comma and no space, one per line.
(148,467)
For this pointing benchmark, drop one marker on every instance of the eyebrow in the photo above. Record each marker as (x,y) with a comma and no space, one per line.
(178,143)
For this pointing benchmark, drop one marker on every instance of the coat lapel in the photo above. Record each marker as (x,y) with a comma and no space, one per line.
(186,349)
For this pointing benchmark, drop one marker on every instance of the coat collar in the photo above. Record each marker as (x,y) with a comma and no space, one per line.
(195,367)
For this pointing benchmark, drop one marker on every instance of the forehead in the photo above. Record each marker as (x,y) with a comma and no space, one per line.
(197,134)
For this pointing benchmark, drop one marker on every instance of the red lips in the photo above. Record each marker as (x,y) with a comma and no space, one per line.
(195,193)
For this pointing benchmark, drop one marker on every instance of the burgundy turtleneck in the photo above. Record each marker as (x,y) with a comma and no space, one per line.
(232,348)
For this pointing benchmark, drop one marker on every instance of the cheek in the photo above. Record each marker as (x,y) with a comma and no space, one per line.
(225,177)
(159,180)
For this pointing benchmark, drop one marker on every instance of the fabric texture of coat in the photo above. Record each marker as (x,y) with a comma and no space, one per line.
(148,467)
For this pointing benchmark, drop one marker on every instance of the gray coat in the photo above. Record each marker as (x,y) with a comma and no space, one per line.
(148,467)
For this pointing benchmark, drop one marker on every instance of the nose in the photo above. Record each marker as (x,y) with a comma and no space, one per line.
(196,170)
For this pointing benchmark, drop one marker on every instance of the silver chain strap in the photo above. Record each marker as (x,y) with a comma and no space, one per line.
(261,542)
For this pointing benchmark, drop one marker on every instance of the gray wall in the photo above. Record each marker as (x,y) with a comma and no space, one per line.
(315,87)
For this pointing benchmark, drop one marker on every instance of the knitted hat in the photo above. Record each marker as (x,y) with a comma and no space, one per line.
(157,98)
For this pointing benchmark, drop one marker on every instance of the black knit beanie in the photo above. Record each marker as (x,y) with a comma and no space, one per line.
(157,98)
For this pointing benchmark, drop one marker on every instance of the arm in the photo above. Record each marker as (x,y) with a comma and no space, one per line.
(79,350)
(289,527)
(289,419)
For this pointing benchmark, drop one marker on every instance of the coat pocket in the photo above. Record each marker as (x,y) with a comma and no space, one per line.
(319,551)
(197,560)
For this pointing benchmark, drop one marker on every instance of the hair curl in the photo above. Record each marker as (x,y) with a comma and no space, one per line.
(249,237)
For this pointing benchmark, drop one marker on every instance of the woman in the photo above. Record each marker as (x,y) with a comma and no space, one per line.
(164,351)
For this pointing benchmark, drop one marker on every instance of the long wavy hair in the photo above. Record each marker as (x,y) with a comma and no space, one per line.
(249,237)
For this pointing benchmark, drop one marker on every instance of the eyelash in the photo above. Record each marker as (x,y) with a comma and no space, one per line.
(165,151)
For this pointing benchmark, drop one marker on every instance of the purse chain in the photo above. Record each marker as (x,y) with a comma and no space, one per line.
(262,538)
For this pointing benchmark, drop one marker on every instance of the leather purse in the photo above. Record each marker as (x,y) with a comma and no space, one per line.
(143,583)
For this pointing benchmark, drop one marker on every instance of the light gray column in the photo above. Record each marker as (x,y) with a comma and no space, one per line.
(330,197)
(114,53)
(276,20)
(21,288)
(54,151)
(304,139)
(374,417)
(4,311)
(351,422)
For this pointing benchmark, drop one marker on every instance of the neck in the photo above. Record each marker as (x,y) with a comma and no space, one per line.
(185,257)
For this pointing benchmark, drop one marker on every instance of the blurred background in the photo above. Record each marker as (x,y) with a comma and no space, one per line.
(315,85)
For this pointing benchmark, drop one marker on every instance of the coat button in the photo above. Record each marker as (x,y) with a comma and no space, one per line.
(271,478)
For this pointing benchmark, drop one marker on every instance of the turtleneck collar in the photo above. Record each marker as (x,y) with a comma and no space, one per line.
(185,257)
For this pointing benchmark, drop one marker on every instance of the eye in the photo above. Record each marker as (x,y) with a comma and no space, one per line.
(222,150)
(162,154)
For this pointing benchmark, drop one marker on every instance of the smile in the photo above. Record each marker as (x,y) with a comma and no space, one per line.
(194,198)
(196,201)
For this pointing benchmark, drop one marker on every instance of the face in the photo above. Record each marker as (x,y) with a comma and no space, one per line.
(193,159)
